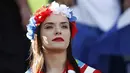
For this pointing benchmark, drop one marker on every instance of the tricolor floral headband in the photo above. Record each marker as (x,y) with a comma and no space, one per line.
(44,12)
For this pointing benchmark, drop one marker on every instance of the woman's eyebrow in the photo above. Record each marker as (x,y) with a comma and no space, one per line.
(50,23)
(64,22)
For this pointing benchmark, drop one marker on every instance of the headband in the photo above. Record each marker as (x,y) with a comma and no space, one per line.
(42,13)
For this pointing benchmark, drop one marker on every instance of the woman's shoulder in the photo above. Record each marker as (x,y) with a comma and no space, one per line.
(84,68)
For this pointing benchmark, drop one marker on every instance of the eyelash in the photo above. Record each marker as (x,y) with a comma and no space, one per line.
(64,26)
(50,27)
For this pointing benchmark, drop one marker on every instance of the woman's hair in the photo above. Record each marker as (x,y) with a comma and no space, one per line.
(66,2)
(37,59)
(121,5)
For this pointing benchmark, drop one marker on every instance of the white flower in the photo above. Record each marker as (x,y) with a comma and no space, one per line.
(29,36)
(64,9)
(56,8)
(71,71)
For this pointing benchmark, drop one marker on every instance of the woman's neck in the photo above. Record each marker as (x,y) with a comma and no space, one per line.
(55,62)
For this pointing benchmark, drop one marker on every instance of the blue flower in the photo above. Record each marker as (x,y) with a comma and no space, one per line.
(31,28)
(73,18)
(32,21)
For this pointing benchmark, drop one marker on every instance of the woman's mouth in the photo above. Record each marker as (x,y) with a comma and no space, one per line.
(58,39)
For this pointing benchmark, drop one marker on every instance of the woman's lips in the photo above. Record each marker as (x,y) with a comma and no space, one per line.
(58,39)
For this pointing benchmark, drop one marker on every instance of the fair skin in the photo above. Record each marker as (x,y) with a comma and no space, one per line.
(55,26)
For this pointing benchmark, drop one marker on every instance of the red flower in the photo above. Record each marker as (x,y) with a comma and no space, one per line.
(41,14)
(74,29)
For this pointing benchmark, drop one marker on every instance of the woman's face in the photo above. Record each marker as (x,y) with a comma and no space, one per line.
(55,33)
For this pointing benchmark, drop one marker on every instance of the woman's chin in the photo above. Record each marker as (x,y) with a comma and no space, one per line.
(56,50)
(59,45)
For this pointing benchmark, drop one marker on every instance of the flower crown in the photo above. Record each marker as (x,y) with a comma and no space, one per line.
(44,12)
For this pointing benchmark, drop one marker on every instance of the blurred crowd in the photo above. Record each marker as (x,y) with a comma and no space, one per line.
(102,40)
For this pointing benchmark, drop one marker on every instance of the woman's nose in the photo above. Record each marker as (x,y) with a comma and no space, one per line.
(57,31)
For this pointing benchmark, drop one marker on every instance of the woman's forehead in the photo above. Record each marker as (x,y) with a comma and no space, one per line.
(56,18)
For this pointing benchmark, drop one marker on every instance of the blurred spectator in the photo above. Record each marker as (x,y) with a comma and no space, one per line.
(104,42)
(13,42)
(101,14)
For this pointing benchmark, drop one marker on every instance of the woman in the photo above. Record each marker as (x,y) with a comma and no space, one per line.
(50,31)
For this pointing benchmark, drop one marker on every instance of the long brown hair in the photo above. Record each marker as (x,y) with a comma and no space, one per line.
(37,58)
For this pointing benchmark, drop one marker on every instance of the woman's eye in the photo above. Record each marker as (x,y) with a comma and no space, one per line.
(64,26)
(48,27)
